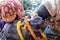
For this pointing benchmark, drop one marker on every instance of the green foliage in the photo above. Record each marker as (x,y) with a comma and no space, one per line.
(30,5)
(27,4)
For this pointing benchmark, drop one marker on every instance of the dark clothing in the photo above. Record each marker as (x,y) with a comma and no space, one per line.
(10,31)
(2,23)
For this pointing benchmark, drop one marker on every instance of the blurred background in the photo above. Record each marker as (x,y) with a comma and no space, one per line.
(30,5)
